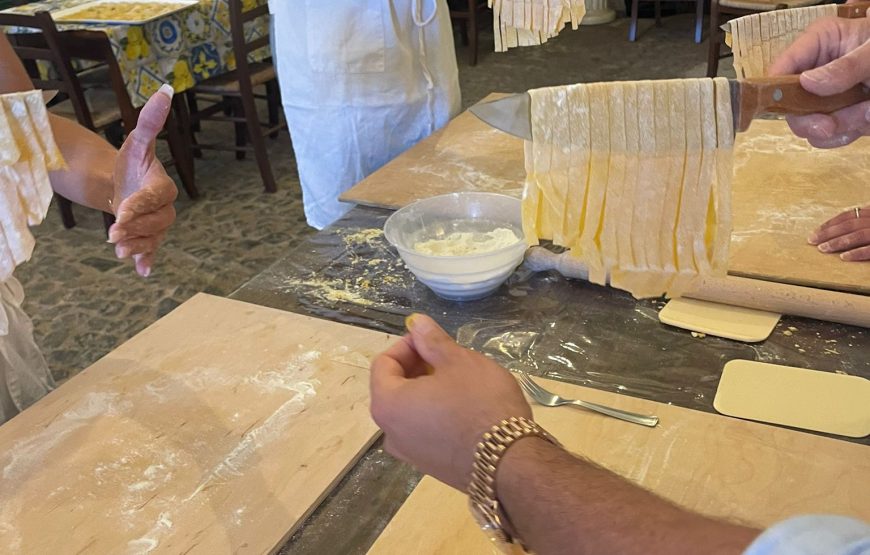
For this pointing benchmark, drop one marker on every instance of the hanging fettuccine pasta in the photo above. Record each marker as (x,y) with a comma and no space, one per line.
(758,39)
(634,178)
(532,22)
(27,153)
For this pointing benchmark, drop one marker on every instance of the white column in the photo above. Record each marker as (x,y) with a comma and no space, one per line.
(597,13)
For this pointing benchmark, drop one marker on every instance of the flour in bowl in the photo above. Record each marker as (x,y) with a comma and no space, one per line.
(464,243)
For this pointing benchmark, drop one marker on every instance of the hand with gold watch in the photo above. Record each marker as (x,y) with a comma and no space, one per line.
(458,416)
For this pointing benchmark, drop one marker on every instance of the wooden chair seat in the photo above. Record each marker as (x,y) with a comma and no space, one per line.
(766,5)
(228,83)
(103,105)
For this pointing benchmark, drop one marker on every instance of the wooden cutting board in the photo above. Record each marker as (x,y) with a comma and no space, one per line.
(713,464)
(216,430)
(464,155)
(783,188)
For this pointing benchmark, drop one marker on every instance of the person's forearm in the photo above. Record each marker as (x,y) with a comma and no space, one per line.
(90,161)
(558,503)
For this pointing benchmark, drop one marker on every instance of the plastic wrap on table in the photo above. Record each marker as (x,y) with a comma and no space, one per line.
(540,322)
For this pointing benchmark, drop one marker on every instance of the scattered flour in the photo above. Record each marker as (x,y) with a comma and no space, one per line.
(463,243)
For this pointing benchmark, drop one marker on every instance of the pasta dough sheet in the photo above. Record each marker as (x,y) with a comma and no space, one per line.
(634,178)
(27,153)
(758,39)
(532,22)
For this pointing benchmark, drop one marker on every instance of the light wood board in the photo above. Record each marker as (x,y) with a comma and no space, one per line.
(465,155)
(199,435)
(782,189)
(797,397)
(716,465)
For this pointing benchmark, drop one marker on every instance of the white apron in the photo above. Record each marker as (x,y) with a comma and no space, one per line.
(24,375)
(361,81)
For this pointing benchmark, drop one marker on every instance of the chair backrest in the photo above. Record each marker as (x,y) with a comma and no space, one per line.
(46,46)
(239,16)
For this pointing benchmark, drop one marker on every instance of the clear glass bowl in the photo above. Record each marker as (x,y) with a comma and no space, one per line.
(467,277)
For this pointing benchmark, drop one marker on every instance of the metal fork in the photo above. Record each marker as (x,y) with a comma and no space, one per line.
(544,397)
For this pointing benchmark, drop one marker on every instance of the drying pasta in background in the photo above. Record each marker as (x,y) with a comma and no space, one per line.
(532,22)
(757,40)
(634,178)
(27,153)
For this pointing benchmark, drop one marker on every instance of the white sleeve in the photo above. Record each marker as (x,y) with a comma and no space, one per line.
(814,535)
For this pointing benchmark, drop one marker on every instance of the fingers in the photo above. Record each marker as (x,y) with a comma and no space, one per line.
(157,190)
(152,118)
(432,343)
(839,75)
(857,255)
(138,245)
(811,49)
(389,368)
(844,222)
(144,262)
(848,242)
(143,226)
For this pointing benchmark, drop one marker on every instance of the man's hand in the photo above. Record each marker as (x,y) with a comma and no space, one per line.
(847,233)
(144,194)
(832,56)
(434,400)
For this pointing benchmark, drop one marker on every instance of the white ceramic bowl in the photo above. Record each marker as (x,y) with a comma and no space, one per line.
(460,278)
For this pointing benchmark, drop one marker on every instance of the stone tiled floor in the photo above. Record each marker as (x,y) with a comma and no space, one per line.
(84,302)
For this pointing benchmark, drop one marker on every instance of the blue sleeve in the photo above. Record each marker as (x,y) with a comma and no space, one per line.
(814,535)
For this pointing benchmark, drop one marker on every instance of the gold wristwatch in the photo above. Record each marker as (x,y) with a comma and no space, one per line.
(482,490)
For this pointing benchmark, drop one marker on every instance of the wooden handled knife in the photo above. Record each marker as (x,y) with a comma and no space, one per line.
(749,99)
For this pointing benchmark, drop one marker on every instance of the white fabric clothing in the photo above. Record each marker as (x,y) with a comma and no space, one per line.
(361,81)
(814,535)
(24,375)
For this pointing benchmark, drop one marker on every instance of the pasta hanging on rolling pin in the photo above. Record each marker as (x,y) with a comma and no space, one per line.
(634,178)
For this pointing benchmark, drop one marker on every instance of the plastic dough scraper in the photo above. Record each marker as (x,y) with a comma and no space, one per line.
(749,98)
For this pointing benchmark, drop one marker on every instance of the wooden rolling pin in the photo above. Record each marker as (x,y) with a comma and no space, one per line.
(821,304)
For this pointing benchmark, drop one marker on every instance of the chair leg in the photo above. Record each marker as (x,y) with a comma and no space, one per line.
(658,12)
(632,27)
(255,133)
(115,134)
(108,220)
(193,107)
(472,32)
(715,38)
(238,111)
(178,137)
(699,20)
(273,102)
(66,212)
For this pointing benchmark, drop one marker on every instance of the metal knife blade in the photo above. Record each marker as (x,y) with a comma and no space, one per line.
(749,98)
(511,114)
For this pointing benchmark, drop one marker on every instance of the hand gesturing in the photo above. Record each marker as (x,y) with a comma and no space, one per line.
(144,193)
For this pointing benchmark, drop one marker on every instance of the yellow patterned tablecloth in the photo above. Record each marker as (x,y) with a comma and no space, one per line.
(182,48)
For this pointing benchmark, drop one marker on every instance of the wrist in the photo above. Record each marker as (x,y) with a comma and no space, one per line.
(484,499)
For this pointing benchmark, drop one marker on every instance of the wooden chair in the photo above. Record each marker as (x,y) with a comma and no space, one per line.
(737,8)
(468,15)
(699,18)
(103,109)
(231,98)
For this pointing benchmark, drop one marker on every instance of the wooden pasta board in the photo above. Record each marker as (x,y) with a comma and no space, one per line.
(783,188)
(187,438)
(464,155)
(719,466)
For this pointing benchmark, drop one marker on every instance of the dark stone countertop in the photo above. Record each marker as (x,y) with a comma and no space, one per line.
(542,323)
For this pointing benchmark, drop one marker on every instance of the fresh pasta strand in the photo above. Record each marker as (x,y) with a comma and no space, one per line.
(758,39)
(642,172)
